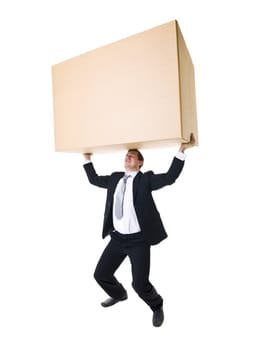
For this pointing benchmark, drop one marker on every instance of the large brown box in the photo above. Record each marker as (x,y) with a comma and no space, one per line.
(136,92)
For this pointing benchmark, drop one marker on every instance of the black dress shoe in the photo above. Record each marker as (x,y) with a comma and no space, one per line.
(158,317)
(111,301)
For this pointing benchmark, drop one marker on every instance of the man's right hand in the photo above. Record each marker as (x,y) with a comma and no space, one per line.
(87,156)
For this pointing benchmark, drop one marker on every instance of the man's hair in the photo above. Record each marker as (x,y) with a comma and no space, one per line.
(140,156)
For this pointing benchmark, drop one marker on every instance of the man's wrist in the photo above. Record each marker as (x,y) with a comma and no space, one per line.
(87,156)
(180,155)
(182,148)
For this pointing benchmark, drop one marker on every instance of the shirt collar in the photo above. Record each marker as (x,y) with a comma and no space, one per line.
(131,173)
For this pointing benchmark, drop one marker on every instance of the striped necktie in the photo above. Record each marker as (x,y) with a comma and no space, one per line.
(120,197)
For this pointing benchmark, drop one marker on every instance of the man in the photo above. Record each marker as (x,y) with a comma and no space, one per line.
(134,224)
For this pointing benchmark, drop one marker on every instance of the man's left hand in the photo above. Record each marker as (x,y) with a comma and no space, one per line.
(189,144)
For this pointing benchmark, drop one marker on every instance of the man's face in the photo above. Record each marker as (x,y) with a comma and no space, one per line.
(132,163)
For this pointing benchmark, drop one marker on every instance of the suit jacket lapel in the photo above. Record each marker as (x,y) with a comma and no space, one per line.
(116,179)
(136,182)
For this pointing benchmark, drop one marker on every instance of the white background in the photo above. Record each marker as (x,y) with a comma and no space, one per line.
(209,270)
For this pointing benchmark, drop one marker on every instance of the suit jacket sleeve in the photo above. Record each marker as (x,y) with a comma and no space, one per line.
(94,178)
(158,181)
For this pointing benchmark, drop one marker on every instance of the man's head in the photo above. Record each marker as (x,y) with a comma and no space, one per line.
(133,160)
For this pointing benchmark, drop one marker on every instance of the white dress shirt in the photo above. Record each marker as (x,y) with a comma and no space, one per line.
(129,222)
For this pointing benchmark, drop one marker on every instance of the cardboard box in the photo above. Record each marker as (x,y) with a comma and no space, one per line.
(136,92)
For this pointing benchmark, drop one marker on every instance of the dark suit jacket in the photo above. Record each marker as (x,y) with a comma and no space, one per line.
(144,183)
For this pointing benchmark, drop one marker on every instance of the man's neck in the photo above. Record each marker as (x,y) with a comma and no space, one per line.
(131,170)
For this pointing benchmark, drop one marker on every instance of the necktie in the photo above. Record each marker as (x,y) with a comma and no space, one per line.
(120,197)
